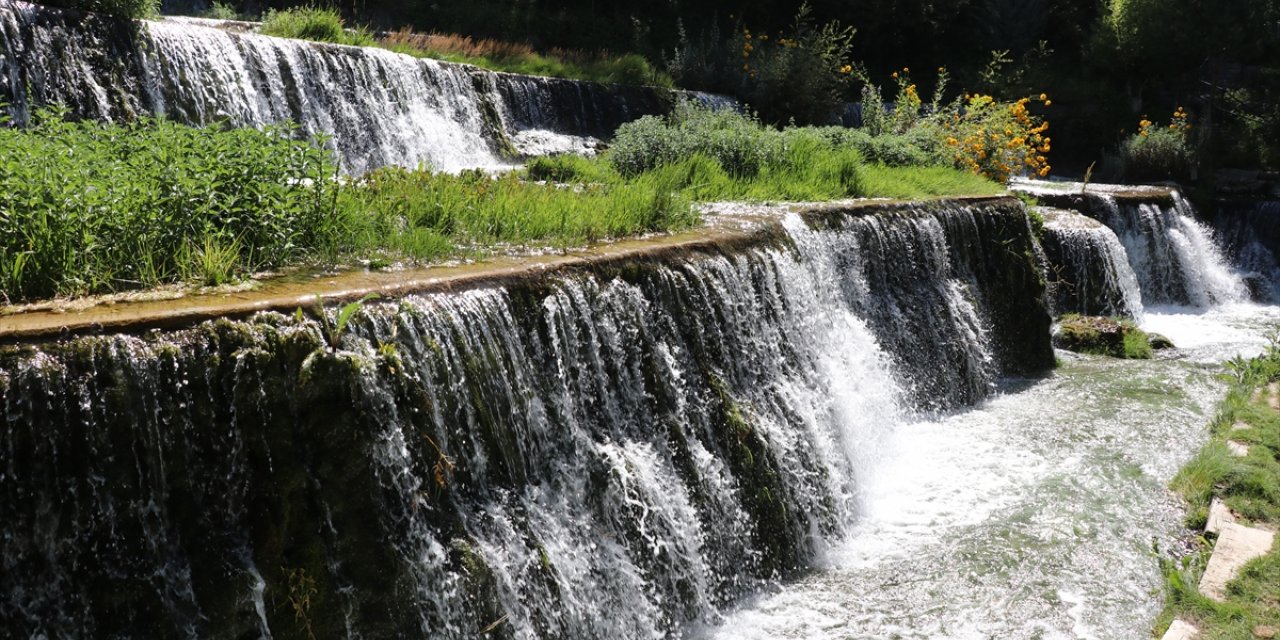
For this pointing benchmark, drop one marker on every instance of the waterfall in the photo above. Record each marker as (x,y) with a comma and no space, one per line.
(1089,270)
(377,107)
(1176,257)
(1250,234)
(612,453)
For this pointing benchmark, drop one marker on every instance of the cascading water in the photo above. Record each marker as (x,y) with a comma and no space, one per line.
(1174,255)
(378,107)
(614,454)
(1250,234)
(1089,271)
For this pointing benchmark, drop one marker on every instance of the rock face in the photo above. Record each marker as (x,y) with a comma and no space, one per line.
(1115,337)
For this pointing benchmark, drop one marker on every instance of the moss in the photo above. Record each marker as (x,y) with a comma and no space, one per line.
(1097,335)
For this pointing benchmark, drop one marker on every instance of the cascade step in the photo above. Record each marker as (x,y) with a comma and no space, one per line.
(1236,546)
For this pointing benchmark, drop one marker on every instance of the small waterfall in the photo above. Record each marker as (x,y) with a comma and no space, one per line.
(1174,255)
(1089,271)
(612,454)
(1250,234)
(379,108)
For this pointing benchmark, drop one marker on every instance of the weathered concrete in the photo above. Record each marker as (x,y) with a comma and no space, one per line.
(1180,630)
(1237,448)
(1219,515)
(1241,426)
(1236,546)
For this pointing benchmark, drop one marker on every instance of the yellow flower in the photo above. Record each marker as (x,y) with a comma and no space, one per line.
(1048,103)
(1043,97)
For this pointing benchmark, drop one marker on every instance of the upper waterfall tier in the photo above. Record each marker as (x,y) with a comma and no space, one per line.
(1175,256)
(377,107)
(617,448)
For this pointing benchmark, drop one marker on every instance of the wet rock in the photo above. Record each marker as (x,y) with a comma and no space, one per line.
(1100,335)
(1159,342)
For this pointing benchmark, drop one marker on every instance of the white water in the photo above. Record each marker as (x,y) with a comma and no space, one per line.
(1090,272)
(1174,255)
(1030,516)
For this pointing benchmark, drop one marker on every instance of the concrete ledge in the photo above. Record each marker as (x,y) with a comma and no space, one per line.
(1236,546)
(1219,515)
(1180,630)
(728,227)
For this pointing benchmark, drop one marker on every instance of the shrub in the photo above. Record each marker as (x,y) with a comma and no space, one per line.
(220,11)
(801,77)
(88,207)
(739,143)
(1159,153)
(312,23)
(996,139)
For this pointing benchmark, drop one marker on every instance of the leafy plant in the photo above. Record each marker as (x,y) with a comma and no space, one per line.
(1159,153)
(90,207)
(333,330)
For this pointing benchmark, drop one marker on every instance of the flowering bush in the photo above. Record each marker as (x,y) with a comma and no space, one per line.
(997,139)
(1159,153)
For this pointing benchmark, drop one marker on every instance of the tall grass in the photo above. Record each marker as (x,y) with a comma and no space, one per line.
(88,207)
(519,57)
(124,8)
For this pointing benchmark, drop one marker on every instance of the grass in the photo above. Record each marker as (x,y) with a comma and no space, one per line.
(313,23)
(88,207)
(326,25)
(95,208)
(519,57)
(1250,486)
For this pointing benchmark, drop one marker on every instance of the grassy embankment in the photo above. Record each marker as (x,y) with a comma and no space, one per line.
(1250,487)
(92,208)
(325,25)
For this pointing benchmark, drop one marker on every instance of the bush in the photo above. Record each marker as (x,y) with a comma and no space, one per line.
(739,143)
(135,9)
(996,139)
(801,78)
(1158,153)
(88,207)
(312,23)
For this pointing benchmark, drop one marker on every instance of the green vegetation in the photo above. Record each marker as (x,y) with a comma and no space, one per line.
(92,208)
(88,207)
(514,57)
(122,8)
(313,23)
(1158,153)
(1115,337)
(1250,487)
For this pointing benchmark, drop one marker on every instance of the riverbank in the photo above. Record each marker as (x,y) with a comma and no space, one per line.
(1238,466)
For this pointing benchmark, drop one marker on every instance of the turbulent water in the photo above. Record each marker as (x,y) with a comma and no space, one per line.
(378,107)
(598,456)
